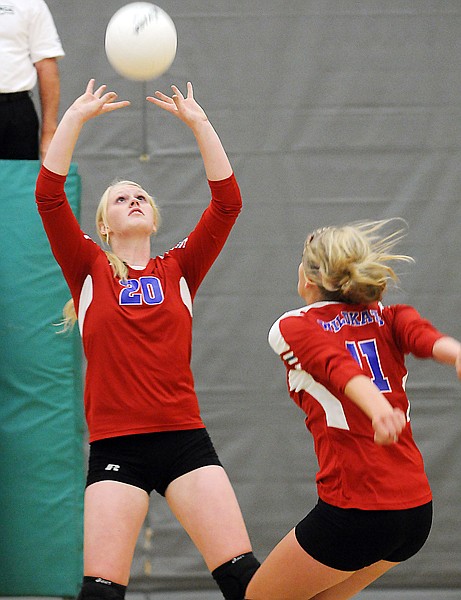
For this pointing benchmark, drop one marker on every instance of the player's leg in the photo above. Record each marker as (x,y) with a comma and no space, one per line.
(290,573)
(356,582)
(113,516)
(346,540)
(205,504)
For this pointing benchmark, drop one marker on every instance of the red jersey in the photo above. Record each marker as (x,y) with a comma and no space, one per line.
(325,345)
(137,334)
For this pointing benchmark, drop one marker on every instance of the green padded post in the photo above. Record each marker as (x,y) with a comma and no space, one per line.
(41,416)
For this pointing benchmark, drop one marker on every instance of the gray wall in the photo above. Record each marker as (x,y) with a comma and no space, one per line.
(331,111)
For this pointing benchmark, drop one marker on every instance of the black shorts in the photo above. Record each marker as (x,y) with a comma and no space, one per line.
(350,539)
(150,461)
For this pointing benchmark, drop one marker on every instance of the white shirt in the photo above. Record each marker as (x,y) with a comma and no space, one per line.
(27,34)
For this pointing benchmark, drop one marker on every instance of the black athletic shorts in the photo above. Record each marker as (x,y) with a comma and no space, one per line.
(150,461)
(350,539)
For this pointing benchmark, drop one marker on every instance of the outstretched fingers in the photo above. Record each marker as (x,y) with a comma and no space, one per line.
(163,97)
(100,91)
(115,106)
(163,101)
(178,96)
(177,92)
(109,104)
(99,101)
(183,107)
(170,102)
(90,86)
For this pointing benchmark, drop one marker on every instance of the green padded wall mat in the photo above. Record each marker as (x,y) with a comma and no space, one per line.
(41,416)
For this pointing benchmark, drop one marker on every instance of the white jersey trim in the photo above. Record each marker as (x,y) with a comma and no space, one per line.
(86,297)
(185,294)
(299,380)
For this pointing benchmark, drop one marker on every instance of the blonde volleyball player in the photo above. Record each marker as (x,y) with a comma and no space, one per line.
(135,317)
(344,354)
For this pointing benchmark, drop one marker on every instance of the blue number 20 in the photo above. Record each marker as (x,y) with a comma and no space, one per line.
(369,351)
(145,289)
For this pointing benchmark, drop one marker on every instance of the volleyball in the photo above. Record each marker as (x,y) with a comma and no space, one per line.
(141,41)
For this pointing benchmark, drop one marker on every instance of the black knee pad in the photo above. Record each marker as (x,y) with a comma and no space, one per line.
(97,588)
(234,576)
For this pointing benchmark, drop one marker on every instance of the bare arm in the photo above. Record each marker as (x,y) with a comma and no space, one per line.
(49,90)
(387,422)
(215,160)
(89,105)
(447,350)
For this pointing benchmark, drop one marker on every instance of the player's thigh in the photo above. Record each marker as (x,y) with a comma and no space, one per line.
(113,516)
(356,582)
(205,504)
(292,574)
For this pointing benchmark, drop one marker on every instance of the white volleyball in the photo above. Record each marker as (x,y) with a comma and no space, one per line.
(141,41)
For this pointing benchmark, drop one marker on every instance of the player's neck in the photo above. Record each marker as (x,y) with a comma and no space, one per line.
(132,252)
(312,294)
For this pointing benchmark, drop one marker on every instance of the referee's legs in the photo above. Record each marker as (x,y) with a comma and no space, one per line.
(19,127)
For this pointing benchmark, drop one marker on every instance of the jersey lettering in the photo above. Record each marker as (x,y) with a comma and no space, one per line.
(145,290)
(369,351)
(352,319)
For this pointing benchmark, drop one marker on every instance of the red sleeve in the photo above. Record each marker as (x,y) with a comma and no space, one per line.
(49,190)
(200,249)
(329,364)
(412,333)
(73,250)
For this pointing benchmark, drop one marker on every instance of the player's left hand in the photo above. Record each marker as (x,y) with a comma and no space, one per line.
(388,427)
(185,108)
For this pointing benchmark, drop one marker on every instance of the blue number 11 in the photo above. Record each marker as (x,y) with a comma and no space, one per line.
(369,351)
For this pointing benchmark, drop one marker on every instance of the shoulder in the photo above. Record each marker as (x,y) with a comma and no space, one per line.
(44,38)
(291,321)
(399,312)
(166,265)
(299,317)
(28,9)
(38,7)
(170,258)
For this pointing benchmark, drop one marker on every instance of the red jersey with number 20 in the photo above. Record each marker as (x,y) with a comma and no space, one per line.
(325,345)
(137,334)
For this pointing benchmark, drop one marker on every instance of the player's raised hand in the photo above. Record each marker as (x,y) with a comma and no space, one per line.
(96,102)
(185,108)
(90,104)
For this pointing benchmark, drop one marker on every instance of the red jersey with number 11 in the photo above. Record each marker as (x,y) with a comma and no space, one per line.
(325,345)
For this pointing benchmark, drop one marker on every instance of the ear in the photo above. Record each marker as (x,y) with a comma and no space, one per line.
(308,283)
(103,229)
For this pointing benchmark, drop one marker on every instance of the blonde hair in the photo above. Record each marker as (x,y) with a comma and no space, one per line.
(349,263)
(119,268)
